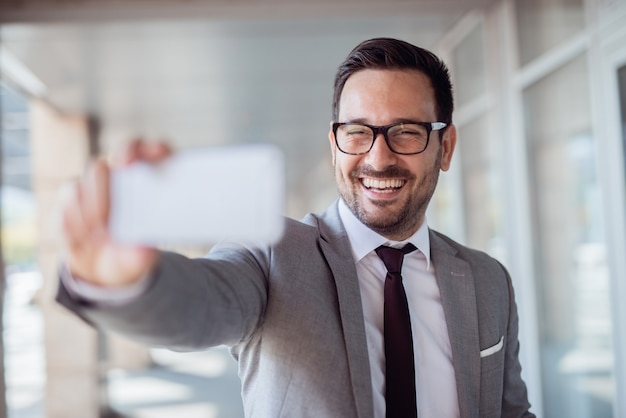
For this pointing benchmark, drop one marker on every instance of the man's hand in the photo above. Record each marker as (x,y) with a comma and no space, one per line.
(91,253)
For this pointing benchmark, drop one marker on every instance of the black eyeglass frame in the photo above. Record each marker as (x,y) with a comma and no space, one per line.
(376,130)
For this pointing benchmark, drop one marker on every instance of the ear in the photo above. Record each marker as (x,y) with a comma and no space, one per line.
(448,143)
(333,144)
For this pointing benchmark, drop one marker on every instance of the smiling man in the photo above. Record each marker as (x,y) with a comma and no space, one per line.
(362,311)
(388,183)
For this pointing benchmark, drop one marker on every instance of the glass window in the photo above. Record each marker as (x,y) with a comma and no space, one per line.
(571,272)
(468,65)
(24,356)
(482,208)
(543,24)
(621,76)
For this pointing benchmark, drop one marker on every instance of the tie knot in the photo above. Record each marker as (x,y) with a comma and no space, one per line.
(393,257)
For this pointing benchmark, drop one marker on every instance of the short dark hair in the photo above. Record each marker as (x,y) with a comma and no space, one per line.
(393,54)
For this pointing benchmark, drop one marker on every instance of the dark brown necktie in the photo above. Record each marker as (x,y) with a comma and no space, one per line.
(400,364)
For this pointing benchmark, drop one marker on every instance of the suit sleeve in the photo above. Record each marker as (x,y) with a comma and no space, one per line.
(190,303)
(514,397)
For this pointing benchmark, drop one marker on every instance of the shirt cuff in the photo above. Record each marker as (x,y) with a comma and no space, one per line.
(99,295)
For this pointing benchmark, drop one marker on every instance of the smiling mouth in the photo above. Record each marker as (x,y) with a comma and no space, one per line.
(382,185)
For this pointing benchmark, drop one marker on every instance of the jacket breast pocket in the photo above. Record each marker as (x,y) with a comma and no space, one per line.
(492,357)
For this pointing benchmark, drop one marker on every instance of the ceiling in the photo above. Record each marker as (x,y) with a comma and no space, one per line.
(212,79)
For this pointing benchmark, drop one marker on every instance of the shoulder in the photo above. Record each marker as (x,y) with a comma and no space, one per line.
(478,260)
(297,236)
(490,279)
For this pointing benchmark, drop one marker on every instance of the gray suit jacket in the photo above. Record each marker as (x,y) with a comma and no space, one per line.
(293,317)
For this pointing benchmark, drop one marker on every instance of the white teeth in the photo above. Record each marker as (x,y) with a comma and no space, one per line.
(382,184)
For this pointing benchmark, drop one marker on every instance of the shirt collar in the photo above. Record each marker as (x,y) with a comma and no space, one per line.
(363,240)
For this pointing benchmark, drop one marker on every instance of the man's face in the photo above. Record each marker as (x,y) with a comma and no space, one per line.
(389,192)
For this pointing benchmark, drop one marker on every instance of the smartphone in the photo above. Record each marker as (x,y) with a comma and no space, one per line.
(201,196)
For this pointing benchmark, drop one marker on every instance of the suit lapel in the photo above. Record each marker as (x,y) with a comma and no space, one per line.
(336,249)
(458,297)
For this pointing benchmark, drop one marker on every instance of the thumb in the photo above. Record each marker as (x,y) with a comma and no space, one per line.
(120,265)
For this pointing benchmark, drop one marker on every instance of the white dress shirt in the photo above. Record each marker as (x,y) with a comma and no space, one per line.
(434,372)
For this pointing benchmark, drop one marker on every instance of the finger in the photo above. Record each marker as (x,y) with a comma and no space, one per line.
(130,152)
(141,150)
(95,199)
(154,151)
(73,222)
(101,193)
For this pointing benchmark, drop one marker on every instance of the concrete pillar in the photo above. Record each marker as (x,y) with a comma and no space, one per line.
(60,147)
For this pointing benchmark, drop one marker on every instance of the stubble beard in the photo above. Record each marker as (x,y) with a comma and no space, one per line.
(399,224)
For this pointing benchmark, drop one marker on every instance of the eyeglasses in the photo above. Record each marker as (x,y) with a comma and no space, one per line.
(402,138)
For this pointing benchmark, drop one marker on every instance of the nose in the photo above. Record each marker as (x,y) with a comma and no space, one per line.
(380,156)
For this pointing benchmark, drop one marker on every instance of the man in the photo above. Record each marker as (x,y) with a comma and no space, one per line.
(306,317)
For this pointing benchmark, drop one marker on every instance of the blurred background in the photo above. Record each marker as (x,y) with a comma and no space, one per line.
(538,179)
